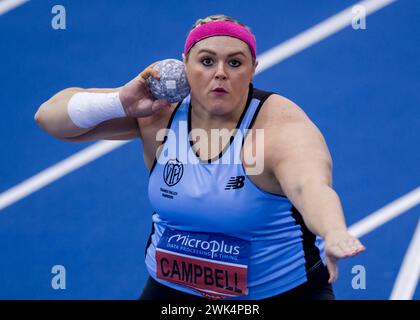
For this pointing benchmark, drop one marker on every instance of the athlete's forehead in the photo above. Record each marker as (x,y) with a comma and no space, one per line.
(222,46)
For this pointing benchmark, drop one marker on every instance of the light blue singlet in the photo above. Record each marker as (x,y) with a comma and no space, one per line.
(215,233)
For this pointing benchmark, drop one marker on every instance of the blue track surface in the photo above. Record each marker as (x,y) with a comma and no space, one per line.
(360,87)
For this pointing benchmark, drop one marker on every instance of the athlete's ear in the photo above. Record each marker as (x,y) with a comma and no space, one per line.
(255,66)
(184,59)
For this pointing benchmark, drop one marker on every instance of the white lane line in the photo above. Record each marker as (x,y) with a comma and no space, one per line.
(266,60)
(7,5)
(385,214)
(409,274)
(57,171)
(315,34)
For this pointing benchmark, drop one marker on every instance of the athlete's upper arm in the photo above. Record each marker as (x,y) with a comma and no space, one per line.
(298,153)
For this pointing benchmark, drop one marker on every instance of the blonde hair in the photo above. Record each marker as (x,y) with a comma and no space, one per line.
(218,17)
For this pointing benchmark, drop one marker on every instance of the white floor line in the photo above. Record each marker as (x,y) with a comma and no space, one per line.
(385,214)
(408,277)
(7,5)
(266,60)
(315,34)
(57,171)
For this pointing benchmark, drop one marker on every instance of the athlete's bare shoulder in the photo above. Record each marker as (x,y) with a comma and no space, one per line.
(149,128)
(278,110)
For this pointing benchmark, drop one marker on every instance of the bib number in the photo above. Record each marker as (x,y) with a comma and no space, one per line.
(212,264)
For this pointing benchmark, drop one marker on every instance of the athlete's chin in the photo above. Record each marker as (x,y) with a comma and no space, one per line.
(219,109)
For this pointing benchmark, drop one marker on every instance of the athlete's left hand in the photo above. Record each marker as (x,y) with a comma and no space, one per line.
(340,244)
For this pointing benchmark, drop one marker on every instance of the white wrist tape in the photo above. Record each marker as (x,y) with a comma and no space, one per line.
(87,109)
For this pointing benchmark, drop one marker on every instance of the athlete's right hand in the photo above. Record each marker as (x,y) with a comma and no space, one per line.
(136,97)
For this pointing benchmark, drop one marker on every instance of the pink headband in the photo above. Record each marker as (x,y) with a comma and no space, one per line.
(221,28)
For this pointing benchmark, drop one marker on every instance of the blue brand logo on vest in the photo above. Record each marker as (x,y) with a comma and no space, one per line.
(173,171)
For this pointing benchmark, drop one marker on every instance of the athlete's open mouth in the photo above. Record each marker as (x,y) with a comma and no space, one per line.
(219,89)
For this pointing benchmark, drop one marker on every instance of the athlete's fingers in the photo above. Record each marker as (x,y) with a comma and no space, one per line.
(332,269)
(149,71)
(346,249)
(342,244)
(335,251)
(160,104)
(351,247)
(143,108)
(358,246)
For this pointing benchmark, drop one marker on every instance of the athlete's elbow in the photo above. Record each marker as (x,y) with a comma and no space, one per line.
(48,124)
(41,119)
(37,116)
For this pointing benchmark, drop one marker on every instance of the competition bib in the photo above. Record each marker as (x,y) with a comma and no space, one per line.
(212,264)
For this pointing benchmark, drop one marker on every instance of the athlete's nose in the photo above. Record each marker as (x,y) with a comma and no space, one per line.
(220,72)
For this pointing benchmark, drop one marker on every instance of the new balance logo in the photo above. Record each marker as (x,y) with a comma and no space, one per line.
(235,183)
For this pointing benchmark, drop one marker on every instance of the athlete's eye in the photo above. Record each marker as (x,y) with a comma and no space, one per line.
(207,61)
(235,63)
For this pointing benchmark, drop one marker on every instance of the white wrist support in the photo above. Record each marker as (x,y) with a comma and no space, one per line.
(87,109)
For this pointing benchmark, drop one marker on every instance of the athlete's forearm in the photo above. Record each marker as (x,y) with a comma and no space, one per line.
(53,116)
(320,207)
